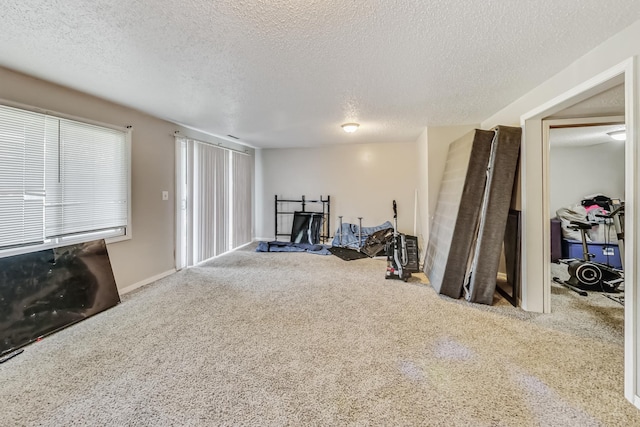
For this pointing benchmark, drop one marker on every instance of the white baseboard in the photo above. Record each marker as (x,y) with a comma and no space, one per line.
(263,239)
(146,281)
(241,246)
(168,273)
(636,400)
(228,252)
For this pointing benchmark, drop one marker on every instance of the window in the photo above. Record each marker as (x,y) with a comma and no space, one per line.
(61,181)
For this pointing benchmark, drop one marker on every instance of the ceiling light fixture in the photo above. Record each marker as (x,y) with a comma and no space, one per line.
(618,135)
(350,127)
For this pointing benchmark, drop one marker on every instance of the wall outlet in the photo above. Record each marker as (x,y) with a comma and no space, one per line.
(165,195)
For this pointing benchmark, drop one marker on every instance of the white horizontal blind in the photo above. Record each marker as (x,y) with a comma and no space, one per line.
(242,174)
(89,191)
(60,178)
(21,176)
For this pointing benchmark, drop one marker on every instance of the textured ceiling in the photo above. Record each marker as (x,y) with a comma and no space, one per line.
(583,136)
(284,73)
(607,103)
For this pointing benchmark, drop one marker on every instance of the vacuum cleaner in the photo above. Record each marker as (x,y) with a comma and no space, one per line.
(397,256)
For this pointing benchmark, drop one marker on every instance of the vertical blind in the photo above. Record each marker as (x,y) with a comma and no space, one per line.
(211,174)
(242,172)
(59,177)
(209,195)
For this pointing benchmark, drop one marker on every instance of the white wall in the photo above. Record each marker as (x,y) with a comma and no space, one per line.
(432,148)
(576,172)
(439,139)
(423,211)
(362,180)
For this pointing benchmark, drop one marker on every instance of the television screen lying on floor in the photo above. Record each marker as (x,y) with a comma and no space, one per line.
(45,291)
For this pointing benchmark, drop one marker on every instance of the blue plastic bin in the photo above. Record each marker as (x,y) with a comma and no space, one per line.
(604,253)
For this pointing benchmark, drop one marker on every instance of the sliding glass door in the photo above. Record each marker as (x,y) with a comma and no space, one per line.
(214,201)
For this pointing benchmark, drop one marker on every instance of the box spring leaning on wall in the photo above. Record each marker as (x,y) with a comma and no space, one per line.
(457,212)
(471,214)
(493,218)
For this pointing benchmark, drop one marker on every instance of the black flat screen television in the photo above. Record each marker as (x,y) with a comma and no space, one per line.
(45,291)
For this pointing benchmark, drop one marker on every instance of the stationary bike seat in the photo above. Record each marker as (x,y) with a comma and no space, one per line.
(577,225)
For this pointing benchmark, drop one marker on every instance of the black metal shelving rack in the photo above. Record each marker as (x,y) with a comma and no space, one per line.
(325,203)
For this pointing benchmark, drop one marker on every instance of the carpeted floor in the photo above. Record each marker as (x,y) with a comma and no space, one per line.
(298,339)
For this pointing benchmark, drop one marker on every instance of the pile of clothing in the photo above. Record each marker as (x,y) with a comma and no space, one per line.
(368,239)
(589,210)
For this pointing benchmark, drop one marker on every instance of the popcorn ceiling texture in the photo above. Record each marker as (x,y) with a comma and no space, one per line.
(583,136)
(288,73)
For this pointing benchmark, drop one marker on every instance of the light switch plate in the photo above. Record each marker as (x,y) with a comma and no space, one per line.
(165,195)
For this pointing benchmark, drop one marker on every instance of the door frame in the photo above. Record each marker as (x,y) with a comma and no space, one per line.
(547,125)
(534,187)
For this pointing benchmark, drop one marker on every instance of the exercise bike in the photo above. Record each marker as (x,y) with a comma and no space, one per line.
(588,275)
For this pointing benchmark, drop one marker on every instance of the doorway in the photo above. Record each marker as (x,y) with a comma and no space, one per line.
(586,183)
(535,196)
(584,163)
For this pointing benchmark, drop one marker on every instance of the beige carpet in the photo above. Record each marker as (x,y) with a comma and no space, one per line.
(299,339)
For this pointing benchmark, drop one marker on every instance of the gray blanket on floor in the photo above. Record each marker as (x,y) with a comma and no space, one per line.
(276,246)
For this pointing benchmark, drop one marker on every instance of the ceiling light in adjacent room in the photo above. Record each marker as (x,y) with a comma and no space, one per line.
(618,135)
(350,127)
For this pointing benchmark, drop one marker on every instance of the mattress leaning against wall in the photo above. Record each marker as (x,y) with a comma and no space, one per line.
(493,218)
(468,228)
(457,212)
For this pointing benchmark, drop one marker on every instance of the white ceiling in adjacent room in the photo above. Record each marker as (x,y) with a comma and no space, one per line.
(288,73)
(583,136)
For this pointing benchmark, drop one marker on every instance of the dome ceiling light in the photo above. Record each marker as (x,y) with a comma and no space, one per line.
(350,127)
(618,135)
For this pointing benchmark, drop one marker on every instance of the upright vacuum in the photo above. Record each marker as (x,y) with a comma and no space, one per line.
(397,256)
